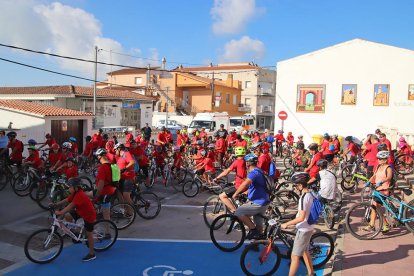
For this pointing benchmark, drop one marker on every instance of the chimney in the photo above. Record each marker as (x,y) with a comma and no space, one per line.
(229,80)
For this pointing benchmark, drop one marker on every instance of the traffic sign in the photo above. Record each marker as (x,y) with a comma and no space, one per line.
(282,115)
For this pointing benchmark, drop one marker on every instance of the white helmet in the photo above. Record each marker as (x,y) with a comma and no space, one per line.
(100,152)
(67,145)
(384,154)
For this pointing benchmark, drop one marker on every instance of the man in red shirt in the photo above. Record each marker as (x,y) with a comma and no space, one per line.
(203,135)
(105,139)
(54,156)
(370,149)
(16,147)
(126,164)
(240,142)
(383,140)
(169,136)
(97,139)
(325,148)
(239,167)
(80,206)
(351,148)
(128,138)
(143,161)
(256,137)
(177,159)
(162,138)
(159,156)
(74,148)
(220,148)
(313,168)
(49,141)
(336,143)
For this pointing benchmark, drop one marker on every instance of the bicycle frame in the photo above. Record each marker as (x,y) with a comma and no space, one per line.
(65,227)
(400,210)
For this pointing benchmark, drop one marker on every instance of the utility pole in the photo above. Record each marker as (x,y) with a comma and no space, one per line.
(166,108)
(94,87)
(212,91)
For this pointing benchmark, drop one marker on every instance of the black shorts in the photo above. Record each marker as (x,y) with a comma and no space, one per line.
(329,157)
(229,191)
(377,200)
(88,225)
(126,185)
(144,170)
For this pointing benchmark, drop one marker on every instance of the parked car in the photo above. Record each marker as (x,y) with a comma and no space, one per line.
(171,124)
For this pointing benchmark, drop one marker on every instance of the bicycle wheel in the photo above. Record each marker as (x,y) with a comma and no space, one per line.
(346,172)
(213,207)
(105,234)
(337,203)
(286,201)
(178,180)
(288,161)
(227,233)
(366,193)
(329,216)
(409,214)
(4,179)
(42,198)
(151,174)
(21,185)
(321,249)
(86,183)
(43,246)
(348,185)
(404,164)
(358,219)
(260,258)
(123,215)
(147,205)
(190,188)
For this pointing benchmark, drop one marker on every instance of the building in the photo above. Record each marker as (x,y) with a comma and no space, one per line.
(350,88)
(34,120)
(114,106)
(258,87)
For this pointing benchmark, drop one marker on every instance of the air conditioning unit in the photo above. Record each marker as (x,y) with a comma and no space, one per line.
(266,108)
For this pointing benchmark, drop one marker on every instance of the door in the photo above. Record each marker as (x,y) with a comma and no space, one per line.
(185,99)
(63,129)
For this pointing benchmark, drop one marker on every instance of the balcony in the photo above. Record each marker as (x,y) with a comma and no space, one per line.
(265,108)
(244,108)
(265,92)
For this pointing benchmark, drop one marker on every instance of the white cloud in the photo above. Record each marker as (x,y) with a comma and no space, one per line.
(244,49)
(64,30)
(231,16)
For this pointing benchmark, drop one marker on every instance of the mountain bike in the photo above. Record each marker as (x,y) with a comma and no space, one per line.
(146,203)
(191,188)
(358,216)
(45,245)
(263,257)
(351,184)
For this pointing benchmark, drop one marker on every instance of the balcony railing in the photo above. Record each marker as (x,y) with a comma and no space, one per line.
(265,92)
(265,108)
(244,108)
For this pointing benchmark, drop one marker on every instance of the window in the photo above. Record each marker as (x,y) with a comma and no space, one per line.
(217,99)
(227,98)
(247,101)
(234,99)
(138,80)
(248,84)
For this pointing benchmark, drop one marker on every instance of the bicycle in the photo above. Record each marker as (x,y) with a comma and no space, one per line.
(404,164)
(191,188)
(353,182)
(45,245)
(359,215)
(146,204)
(263,257)
(175,177)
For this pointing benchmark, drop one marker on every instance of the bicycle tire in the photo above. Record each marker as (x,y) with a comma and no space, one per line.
(147,205)
(178,180)
(286,200)
(363,215)
(4,179)
(348,186)
(123,215)
(409,213)
(21,186)
(225,231)
(102,241)
(42,198)
(366,193)
(190,188)
(288,161)
(213,207)
(402,166)
(346,172)
(319,253)
(86,183)
(254,252)
(40,237)
(329,217)
(151,175)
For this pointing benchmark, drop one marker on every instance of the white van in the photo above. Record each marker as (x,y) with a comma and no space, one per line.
(211,121)
(245,122)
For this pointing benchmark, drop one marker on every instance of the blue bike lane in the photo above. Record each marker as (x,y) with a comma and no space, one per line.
(148,258)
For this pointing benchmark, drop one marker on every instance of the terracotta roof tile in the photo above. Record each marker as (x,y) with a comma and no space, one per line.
(56,90)
(110,93)
(40,109)
(217,68)
(131,71)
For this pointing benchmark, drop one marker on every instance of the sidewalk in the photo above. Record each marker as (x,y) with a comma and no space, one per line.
(390,253)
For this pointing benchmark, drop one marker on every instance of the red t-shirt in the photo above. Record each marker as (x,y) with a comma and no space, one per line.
(50,142)
(325,148)
(88,149)
(265,147)
(102,144)
(315,169)
(122,162)
(159,158)
(209,166)
(220,145)
(290,139)
(180,141)
(263,163)
(239,166)
(162,137)
(371,155)
(203,135)
(84,206)
(105,174)
(169,137)
(96,140)
(177,160)
(211,155)
(128,138)
(353,149)
(388,143)
(111,157)
(242,143)
(55,157)
(74,149)
(71,171)
(144,161)
(337,146)
(16,145)
(198,161)
(279,138)
(37,162)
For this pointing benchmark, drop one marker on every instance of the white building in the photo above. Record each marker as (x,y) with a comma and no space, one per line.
(332,90)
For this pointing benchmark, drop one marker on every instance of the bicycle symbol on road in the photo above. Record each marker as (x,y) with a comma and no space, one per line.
(168,271)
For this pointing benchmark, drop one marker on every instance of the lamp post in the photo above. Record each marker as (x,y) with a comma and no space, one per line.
(166,107)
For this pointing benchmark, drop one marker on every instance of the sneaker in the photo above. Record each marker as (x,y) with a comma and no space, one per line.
(88,258)
(368,228)
(385,228)
(253,233)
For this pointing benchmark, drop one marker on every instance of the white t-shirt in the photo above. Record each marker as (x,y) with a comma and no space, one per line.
(307,205)
(327,184)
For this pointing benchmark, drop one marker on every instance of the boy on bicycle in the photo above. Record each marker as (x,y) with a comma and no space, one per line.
(327,182)
(80,206)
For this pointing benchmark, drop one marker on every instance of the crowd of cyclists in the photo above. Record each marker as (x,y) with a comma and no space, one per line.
(213,156)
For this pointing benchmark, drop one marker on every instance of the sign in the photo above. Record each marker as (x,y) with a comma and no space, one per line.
(282,115)
(218,98)
(64,125)
(131,105)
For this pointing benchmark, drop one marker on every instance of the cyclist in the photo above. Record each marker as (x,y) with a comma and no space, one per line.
(177,159)
(55,156)
(301,156)
(203,134)
(16,147)
(74,146)
(222,131)
(3,143)
(326,149)
(232,137)
(255,184)
(382,179)
(351,148)
(246,137)
(33,159)
(97,139)
(336,143)
(49,141)
(126,164)
(205,167)
(146,130)
(290,138)
(211,152)
(371,153)
(162,138)
(80,206)
(264,160)
(305,230)
(87,152)
(71,170)
(159,156)
(279,140)
(327,182)
(221,147)
(239,167)
(32,142)
(300,138)
(404,148)
(143,161)
(240,142)
(128,137)
(110,152)
(313,168)
(169,136)
(270,139)
(256,137)
(105,139)
(66,153)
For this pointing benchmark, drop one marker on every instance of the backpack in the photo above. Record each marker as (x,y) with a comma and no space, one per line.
(315,211)
(270,139)
(270,184)
(116,174)
(393,178)
(331,147)
(136,165)
(273,171)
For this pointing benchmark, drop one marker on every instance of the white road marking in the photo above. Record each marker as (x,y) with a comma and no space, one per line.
(181,206)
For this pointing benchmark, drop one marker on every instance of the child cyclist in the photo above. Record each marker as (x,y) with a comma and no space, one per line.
(80,206)
(205,167)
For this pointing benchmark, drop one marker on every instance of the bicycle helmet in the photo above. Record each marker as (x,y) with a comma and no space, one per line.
(74,182)
(12,134)
(382,147)
(176,148)
(280,131)
(66,145)
(348,138)
(313,146)
(252,158)
(256,145)
(377,131)
(384,154)
(300,136)
(211,146)
(323,164)
(32,142)
(100,152)
(402,139)
(72,139)
(31,147)
(300,145)
(105,136)
(55,146)
(119,146)
(245,132)
(325,135)
(240,151)
(300,178)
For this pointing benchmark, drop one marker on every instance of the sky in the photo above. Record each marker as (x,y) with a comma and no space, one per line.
(187,32)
